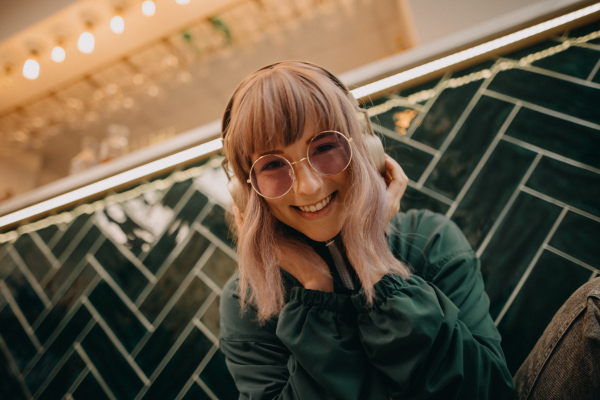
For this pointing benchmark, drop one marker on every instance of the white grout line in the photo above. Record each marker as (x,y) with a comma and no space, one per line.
(508,205)
(130,256)
(421,116)
(196,373)
(562,77)
(220,244)
(209,392)
(587,45)
(45,250)
(525,275)
(62,228)
(211,336)
(541,109)
(29,277)
(571,258)
(140,345)
(117,289)
(20,316)
(76,240)
(402,138)
(76,383)
(559,203)
(115,340)
(184,284)
(459,123)
(594,275)
(209,282)
(14,367)
(430,192)
(594,71)
(483,160)
(94,371)
(550,154)
(63,360)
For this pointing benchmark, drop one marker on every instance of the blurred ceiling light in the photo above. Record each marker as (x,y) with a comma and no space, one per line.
(31,69)
(117,24)
(182,2)
(148,8)
(467,54)
(86,42)
(58,54)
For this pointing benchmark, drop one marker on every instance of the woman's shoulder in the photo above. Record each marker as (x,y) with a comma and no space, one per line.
(425,240)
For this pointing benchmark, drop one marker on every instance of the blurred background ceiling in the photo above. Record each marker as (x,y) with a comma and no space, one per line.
(173,65)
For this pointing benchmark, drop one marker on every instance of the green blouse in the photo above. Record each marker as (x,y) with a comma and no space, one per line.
(429,336)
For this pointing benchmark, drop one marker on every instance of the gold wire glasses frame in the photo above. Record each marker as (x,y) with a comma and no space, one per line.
(307,158)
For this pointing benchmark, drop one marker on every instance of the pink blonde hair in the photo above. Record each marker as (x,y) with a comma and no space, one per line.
(268,109)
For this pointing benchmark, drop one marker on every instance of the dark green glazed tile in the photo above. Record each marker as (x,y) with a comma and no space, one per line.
(514,245)
(596,78)
(121,320)
(470,143)
(572,185)
(219,267)
(559,136)
(171,238)
(578,236)
(179,368)
(48,233)
(69,235)
(32,256)
(517,55)
(195,392)
(170,281)
(134,243)
(490,191)
(171,327)
(65,303)
(13,334)
(212,318)
(389,119)
(71,263)
(533,309)
(121,379)
(57,349)
(555,94)
(89,389)
(4,268)
(575,61)
(584,30)
(29,302)
(412,160)
(175,193)
(216,223)
(218,379)
(9,386)
(123,271)
(414,199)
(63,380)
(444,113)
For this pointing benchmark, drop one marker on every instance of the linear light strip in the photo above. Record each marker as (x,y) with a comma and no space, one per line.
(112,182)
(467,54)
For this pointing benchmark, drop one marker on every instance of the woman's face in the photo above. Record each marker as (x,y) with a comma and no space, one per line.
(310,188)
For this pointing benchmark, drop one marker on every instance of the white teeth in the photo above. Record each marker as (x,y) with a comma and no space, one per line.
(317,207)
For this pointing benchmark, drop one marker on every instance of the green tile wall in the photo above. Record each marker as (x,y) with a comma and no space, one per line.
(124,303)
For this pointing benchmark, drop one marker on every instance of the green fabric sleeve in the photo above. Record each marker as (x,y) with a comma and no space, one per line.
(412,335)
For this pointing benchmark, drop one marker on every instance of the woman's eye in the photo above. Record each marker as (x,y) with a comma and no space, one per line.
(270,166)
(324,148)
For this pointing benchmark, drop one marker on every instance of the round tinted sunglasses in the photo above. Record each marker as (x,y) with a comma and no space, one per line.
(328,153)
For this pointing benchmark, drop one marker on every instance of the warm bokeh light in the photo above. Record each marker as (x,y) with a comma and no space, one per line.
(182,2)
(31,69)
(117,24)
(148,8)
(86,43)
(58,54)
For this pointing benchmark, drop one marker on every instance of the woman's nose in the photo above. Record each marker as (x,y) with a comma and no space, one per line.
(308,181)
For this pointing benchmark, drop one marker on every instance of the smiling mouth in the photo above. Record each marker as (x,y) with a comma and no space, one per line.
(316,207)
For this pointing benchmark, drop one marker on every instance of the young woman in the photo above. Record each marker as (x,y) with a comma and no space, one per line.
(333,300)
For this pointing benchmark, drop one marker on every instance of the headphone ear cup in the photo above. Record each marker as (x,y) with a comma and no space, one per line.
(237,193)
(376,152)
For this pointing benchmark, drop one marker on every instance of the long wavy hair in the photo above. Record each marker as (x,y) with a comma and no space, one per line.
(270,108)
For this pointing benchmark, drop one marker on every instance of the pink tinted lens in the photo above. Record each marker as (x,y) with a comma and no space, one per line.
(329,153)
(272,176)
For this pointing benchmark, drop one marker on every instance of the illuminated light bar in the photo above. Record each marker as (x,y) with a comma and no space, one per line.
(467,54)
(113,181)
